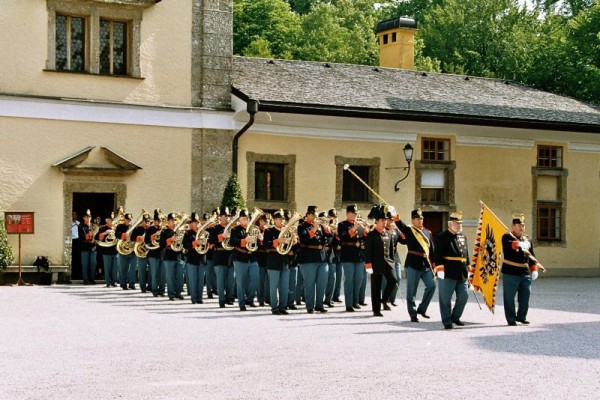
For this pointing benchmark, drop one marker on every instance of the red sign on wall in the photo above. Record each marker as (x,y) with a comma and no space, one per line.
(18,222)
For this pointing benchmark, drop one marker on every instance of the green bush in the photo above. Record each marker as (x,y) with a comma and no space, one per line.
(232,195)
(6,254)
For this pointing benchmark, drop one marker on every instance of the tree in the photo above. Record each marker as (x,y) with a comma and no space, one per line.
(6,254)
(232,195)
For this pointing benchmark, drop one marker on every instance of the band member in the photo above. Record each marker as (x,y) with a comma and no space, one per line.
(244,262)
(126,262)
(88,249)
(211,276)
(137,235)
(397,237)
(312,259)
(351,235)
(157,271)
(419,262)
(519,269)
(452,269)
(261,259)
(379,258)
(225,272)
(170,259)
(294,269)
(332,244)
(196,262)
(277,266)
(109,253)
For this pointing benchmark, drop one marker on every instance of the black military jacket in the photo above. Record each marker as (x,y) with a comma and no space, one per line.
(167,253)
(379,250)
(454,246)
(275,260)
(350,245)
(516,256)
(240,253)
(112,250)
(84,245)
(413,260)
(220,255)
(192,256)
(148,240)
(312,248)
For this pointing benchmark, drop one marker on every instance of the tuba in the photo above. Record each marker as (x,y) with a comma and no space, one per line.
(156,241)
(110,239)
(228,229)
(126,247)
(253,230)
(287,234)
(179,229)
(140,249)
(203,234)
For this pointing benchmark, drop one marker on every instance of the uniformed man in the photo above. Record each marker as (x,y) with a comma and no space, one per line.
(126,261)
(419,262)
(137,235)
(332,258)
(379,260)
(244,262)
(294,269)
(88,249)
(157,270)
(211,276)
(519,268)
(224,272)
(277,266)
(452,269)
(351,235)
(312,259)
(397,237)
(195,262)
(109,253)
(261,259)
(170,259)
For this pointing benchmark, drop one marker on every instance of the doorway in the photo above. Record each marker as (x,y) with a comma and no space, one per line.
(434,221)
(100,205)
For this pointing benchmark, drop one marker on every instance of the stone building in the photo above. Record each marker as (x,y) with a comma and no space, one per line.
(139,103)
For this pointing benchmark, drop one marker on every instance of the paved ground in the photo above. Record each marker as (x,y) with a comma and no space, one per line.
(80,342)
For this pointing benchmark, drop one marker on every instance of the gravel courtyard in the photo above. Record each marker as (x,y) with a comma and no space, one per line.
(92,342)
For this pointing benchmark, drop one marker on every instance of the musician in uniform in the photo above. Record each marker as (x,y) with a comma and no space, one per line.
(244,262)
(170,259)
(312,259)
(88,249)
(379,260)
(351,235)
(211,276)
(137,236)
(294,273)
(261,259)
(452,269)
(277,266)
(195,262)
(519,269)
(419,262)
(332,261)
(109,253)
(157,270)
(224,272)
(126,261)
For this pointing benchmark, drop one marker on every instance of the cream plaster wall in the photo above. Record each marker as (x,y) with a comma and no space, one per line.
(165,42)
(29,183)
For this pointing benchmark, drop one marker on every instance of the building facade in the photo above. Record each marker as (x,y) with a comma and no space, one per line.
(137,102)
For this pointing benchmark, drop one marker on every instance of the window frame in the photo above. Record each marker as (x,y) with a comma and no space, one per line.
(558,159)
(267,189)
(111,46)
(437,141)
(556,206)
(374,165)
(289,179)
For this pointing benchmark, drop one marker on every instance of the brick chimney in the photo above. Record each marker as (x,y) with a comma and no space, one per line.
(397,43)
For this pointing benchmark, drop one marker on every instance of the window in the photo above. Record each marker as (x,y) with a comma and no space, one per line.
(393,36)
(436,149)
(549,156)
(269,182)
(353,190)
(70,43)
(548,221)
(385,39)
(113,47)
(433,185)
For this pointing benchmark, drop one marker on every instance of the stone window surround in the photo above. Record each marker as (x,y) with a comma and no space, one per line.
(448,167)
(374,164)
(561,195)
(290,180)
(93,12)
(91,184)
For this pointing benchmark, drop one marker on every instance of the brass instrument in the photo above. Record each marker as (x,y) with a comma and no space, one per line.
(253,230)
(94,228)
(228,229)
(180,228)
(203,234)
(110,239)
(126,247)
(140,249)
(287,234)
(156,241)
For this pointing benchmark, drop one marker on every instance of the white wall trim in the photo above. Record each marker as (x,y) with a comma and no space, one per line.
(584,147)
(483,141)
(69,110)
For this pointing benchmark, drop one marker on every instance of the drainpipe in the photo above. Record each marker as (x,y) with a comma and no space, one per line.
(252,109)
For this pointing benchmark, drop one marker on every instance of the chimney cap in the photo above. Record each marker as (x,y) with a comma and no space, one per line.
(397,22)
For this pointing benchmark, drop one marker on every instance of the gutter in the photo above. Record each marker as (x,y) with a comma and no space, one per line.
(252,109)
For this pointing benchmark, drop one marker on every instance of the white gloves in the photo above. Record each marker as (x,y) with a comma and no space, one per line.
(441,274)
(392,211)
(534,275)
(369,268)
(525,245)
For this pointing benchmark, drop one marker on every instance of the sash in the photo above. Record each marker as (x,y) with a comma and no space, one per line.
(423,241)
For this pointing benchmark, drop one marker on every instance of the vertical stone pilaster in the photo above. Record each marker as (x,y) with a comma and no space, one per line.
(212,53)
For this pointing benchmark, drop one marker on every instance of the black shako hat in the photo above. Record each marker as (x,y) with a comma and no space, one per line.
(157,214)
(171,216)
(377,212)
(278,214)
(518,218)
(352,208)
(194,217)
(312,209)
(456,216)
(244,212)
(332,213)
(416,213)
(224,211)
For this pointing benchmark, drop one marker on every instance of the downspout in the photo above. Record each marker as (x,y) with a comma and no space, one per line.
(252,109)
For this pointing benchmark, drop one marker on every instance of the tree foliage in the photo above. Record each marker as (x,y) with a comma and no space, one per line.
(553,45)
(232,195)
(6,254)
